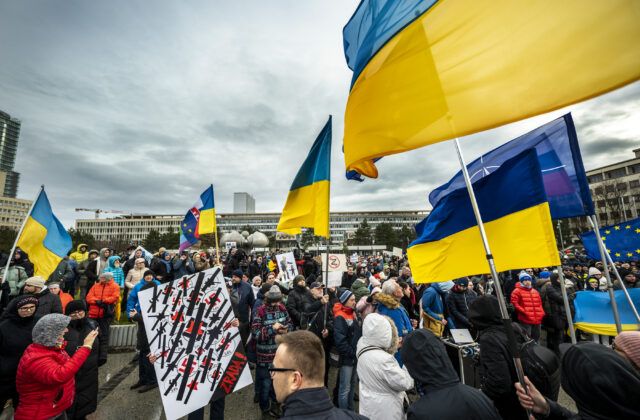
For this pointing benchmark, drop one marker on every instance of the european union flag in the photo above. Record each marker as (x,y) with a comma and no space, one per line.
(622,241)
(556,144)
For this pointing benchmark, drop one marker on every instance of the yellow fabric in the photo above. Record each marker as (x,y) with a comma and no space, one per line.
(207,222)
(31,241)
(604,329)
(118,309)
(306,207)
(521,239)
(485,64)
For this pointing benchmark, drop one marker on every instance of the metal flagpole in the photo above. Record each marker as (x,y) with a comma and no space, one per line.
(624,288)
(635,208)
(567,308)
(511,339)
(560,232)
(624,209)
(605,265)
(24,222)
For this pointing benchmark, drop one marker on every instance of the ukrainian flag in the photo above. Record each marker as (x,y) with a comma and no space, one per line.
(425,71)
(199,220)
(594,314)
(308,200)
(44,238)
(516,217)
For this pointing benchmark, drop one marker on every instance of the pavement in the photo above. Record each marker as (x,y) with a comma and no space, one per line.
(117,402)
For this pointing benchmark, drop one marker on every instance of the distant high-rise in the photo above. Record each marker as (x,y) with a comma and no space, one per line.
(243,203)
(9,134)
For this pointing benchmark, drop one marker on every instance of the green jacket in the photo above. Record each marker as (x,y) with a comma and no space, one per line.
(359,289)
(16,278)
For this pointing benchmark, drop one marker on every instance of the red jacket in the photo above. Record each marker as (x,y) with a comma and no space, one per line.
(106,292)
(45,381)
(528,304)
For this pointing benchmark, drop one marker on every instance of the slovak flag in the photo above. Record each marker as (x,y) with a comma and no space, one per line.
(199,220)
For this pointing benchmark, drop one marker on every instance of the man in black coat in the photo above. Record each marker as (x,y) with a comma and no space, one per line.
(296,300)
(258,268)
(48,303)
(22,260)
(556,321)
(86,398)
(15,336)
(458,301)
(318,318)
(348,278)
(445,397)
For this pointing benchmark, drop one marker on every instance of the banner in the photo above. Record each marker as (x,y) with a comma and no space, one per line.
(397,252)
(337,262)
(594,314)
(200,355)
(287,266)
(230,245)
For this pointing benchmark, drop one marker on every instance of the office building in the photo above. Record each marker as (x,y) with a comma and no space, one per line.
(243,203)
(9,135)
(13,211)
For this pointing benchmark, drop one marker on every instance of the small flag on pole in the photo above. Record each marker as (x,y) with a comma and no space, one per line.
(199,220)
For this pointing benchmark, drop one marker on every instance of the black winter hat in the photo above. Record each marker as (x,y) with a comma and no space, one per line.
(75,305)
(147,272)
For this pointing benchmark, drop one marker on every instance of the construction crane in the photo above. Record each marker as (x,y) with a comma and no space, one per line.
(98,211)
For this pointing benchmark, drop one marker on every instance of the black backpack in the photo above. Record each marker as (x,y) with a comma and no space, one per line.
(542,367)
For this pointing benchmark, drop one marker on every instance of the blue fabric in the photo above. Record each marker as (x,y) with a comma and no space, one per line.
(432,302)
(264,387)
(556,145)
(133,301)
(57,240)
(245,301)
(373,24)
(347,387)
(180,268)
(317,165)
(355,175)
(515,186)
(402,321)
(346,338)
(621,240)
(118,274)
(595,308)
(188,227)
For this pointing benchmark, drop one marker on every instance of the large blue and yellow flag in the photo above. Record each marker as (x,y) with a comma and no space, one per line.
(516,217)
(199,220)
(44,238)
(594,314)
(425,71)
(622,241)
(308,200)
(565,181)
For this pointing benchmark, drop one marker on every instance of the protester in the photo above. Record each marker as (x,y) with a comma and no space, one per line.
(389,304)
(133,303)
(319,320)
(528,303)
(458,301)
(16,278)
(245,303)
(62,274)
(433,307)
(297,379)
(270,320)
(258,268)
(22,260)
(45,377)
(183,266)
(85,401)
(48,303)
(147,379)
(346,333)
(65,298)
(368,304)
(81,253)
(444,396)
(200,263)
(162,267)
(348,278)
(602,383)
(629,280)
(102,299)
(118,277)
(408,301)
(382,381)
(627,344)
(296,300)
(87,273)
(360,287)
(16,325)
(556,320)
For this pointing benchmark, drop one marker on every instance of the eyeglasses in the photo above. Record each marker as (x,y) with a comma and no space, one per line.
(77,312)
(27,308)
(273,370)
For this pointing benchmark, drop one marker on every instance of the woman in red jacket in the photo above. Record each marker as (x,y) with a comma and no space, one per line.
(45,378)
(527,302)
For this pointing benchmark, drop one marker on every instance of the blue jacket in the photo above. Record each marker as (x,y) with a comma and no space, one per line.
(118,274)
(245,301)
(390,307)
(346,333)
(181,269)
(432,302)
(132,300)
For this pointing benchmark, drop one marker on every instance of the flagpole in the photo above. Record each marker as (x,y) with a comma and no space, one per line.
(624,209)
(605,264)
(506,320)
(567,308)
(15,243)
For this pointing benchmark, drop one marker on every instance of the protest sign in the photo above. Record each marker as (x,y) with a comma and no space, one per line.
(230,245)
(145,254)
(337,262)
(397,252)
(287,266)
(354,258)
(200,356)
(335,278)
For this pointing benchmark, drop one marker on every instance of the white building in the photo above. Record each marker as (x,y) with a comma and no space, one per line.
(243,203)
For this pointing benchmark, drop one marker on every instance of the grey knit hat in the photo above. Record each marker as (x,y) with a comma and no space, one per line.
(49,328)
(275,294)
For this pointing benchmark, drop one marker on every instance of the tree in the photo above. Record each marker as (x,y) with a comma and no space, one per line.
(272,239)
(78,238)
(171,239)
(248,229)
(7,238)
(208,240)
(153,241)
(363,234)
(309,238)
(385,234)
(608,197)
(405,236)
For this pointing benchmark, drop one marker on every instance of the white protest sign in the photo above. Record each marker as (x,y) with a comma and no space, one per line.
(397,252)
(230,245)
(200,356)
(335,278)
(337,262)
(287,266)
(354,258)
(145,254)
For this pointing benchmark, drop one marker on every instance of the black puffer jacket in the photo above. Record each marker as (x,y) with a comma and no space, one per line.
(314,404)
(86,399)
(15,337)
(296,302)
(557,319)
(497,372)
(48,303)
(24,262)
(457,303)
(444,397)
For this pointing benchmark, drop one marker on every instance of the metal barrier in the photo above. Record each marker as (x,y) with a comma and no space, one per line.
(123,335)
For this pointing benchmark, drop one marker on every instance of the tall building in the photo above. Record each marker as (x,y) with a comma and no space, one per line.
(9,134)
(243,203)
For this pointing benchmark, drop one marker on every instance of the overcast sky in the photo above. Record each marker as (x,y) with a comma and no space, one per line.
(138,106)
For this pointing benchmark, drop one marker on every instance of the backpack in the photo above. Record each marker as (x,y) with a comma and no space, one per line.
(542,366)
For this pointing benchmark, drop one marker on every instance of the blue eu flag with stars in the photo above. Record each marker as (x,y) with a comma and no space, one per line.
(622,241)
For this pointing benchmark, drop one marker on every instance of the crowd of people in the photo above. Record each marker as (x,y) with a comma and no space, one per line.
(380,330)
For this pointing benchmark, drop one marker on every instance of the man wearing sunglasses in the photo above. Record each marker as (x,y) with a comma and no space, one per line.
(298,379)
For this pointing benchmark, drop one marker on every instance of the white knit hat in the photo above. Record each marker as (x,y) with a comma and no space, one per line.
(593,271)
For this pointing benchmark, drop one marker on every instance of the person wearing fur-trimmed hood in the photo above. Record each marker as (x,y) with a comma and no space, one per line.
(382,381)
